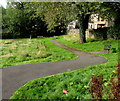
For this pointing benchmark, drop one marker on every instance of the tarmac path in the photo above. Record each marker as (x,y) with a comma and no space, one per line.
(14,77)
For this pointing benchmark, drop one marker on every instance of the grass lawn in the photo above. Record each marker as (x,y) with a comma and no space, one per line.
(25,51)
(75,82)
(72,41)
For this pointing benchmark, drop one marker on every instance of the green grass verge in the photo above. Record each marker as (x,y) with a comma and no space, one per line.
(75,82)
(25,51)
(73,41)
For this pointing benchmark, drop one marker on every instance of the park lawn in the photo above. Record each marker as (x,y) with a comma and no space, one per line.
(75,82)
(73,41)
(25,51)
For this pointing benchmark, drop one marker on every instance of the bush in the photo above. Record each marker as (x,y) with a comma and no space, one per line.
(114,50)
(114,32)
(101,33)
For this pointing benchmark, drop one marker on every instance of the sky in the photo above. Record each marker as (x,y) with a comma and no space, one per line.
(3,3)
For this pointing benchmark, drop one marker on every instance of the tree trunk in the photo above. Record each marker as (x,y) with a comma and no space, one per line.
(82,31)
(83,22)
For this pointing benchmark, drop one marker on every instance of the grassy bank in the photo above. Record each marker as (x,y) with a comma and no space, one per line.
(73,41)
(75,82)
(25,51)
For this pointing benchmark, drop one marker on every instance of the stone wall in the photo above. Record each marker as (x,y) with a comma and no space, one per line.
(75,32)
(89,34)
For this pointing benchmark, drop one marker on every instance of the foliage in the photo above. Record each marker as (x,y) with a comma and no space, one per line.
(114,12)
(58,14)
(24,51)
(115,85)
(75,82)
(114,32)
(19,21)
(112,89)
(54,15)
(11,21)
(101,33)
(96,87)
(22,19)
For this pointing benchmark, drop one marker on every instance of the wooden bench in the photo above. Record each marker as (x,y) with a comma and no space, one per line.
(107,47)
(39,36)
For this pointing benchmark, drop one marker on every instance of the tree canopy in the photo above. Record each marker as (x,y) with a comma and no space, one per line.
(19,20)
(37,18)
(60,13)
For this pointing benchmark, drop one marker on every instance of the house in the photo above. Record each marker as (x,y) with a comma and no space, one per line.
(96,22)
(73,25)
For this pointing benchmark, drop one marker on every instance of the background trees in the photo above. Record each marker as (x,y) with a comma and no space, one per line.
(114,10)
(13,21)
(19,21)
(22,19)
(59,14)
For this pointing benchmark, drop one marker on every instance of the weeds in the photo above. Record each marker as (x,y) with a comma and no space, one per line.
(114,85)
(25,51)
(96,87)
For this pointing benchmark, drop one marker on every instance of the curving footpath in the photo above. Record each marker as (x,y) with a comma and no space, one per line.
(14,77)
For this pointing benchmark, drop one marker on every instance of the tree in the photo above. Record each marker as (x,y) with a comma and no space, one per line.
(60,13)
(114,11)
(83,11)
(14,20)
(54,15)
(19,21)
(33,17)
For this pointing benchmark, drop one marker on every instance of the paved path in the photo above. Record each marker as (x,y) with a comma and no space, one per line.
(14,77)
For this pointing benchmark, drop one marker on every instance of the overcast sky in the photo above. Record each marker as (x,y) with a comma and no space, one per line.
(3,3)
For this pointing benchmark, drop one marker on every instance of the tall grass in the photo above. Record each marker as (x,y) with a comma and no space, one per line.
(24,51)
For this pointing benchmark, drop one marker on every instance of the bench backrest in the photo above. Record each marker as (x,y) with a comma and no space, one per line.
(107,47)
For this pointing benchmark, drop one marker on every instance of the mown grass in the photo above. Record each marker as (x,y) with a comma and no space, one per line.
(73,41)
(25,51)
(75,82)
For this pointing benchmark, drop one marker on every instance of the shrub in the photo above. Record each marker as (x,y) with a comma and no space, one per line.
(114,32)
(101,33)
(97,90)
(114,50)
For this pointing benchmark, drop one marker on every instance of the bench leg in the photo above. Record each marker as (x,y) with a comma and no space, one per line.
(108,51)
